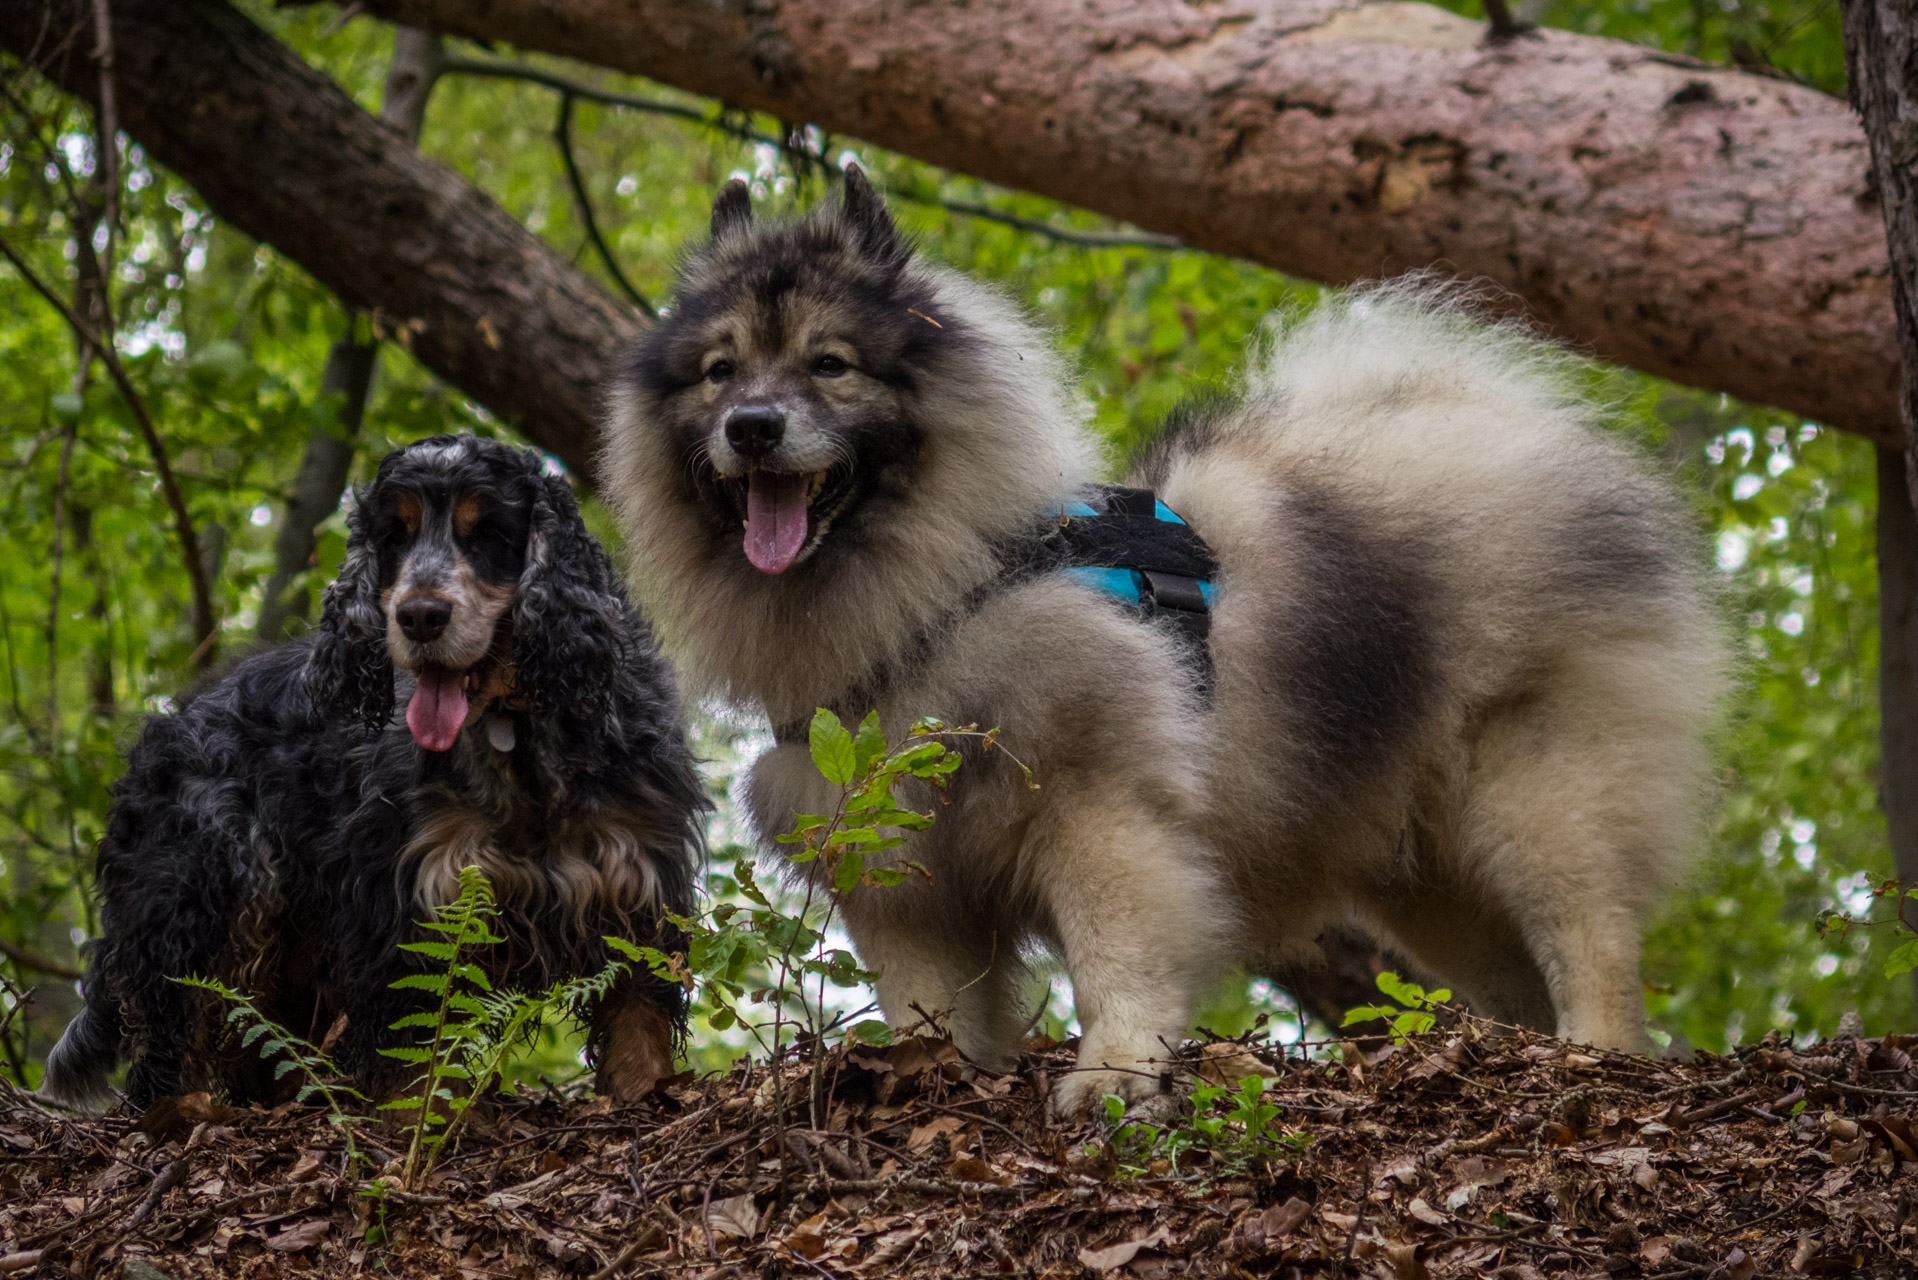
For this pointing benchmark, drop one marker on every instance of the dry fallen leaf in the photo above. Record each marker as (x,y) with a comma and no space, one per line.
(301,1235)
(306,1168)
(1406,1263)
(1282,1219)
(734,1216)
(922,1135)
(893,1247)
(808,1239)
(1114,1256)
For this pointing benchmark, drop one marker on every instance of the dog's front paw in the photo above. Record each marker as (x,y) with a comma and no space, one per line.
(1083,1090)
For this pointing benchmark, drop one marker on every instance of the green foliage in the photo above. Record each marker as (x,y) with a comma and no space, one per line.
(473,1029)
(1410,1014)
(1230,1133)
(752,949)
(322,1076)
(225,342)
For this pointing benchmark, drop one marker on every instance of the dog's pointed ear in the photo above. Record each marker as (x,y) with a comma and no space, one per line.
(732,209)
(864,214)
(572,627)
(349,674)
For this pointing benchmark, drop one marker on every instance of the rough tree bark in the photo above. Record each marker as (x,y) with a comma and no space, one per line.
(1697,222)
(350,365)
(1881,65)
(279,151)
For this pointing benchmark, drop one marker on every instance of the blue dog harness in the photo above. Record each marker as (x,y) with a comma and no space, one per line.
(1120,541)
(1129,545)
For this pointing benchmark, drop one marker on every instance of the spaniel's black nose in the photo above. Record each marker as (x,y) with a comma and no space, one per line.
(755,429)
(423,618)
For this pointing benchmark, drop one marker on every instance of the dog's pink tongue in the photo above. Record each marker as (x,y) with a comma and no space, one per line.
(438,709)
(775,520)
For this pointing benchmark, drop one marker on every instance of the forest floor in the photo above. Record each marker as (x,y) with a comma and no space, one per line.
(1457,1153)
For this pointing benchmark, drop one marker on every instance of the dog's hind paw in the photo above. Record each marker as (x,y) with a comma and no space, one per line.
(1084,1089)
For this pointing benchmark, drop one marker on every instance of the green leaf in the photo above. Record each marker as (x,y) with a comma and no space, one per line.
(869,743)
(406,1053)
(915,760)
(433,982)
(1903,958)
(832,751)
(871,1031)
(852,865)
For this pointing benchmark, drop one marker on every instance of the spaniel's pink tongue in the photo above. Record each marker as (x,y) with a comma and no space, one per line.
(437,712)
(775,519)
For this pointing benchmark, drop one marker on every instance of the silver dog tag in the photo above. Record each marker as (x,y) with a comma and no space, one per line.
(499,732)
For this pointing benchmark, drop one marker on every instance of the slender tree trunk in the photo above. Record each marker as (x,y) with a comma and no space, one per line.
(321,479)
(1898,668)
(350,365)
(1881,61)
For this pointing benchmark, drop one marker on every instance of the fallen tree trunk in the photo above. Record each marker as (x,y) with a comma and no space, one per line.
(278,150)
(1699,223)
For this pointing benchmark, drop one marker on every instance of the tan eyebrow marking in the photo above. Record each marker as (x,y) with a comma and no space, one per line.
(408,505)
(466,514)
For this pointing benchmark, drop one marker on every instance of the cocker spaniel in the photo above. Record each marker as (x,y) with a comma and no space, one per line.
(478,692)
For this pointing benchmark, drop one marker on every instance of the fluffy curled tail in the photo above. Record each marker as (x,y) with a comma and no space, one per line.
(88,1050)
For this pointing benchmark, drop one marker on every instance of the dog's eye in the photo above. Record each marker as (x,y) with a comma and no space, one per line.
(828,366)
(719,371)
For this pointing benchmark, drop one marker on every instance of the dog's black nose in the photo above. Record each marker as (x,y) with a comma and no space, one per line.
(754,429)
(423,618)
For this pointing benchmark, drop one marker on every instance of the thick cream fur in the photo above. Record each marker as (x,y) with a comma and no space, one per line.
(1542,795)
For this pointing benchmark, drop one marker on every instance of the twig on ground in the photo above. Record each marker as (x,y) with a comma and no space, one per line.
(170,1177)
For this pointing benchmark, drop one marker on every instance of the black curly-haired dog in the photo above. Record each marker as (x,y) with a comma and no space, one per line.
(282,832)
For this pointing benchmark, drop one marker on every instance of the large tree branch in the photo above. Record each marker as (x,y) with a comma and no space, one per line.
(279,151)
(1693,221)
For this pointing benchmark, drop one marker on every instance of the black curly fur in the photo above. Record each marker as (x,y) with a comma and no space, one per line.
(258,834)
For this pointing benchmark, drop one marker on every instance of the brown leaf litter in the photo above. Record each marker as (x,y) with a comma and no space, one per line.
(1460,1153)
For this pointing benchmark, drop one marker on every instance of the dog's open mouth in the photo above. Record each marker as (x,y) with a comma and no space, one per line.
(440,703)
(786,513)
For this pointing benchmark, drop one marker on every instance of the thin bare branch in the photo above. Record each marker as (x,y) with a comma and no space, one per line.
(106,165)
(746,133)
(204,627)
(34,960)
(563,139)
(53,590)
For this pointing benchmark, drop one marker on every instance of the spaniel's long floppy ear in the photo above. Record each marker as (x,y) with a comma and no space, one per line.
(570,624)
(349,674)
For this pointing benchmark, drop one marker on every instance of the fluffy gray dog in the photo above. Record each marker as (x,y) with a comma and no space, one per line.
(1461,664)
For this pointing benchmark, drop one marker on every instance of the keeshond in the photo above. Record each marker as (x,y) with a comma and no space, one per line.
(1462,658)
